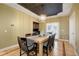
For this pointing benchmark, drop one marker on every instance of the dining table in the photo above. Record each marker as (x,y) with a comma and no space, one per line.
(40,41)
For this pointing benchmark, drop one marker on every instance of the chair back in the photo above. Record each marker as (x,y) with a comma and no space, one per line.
(51,41)
(22,43)
(26,35)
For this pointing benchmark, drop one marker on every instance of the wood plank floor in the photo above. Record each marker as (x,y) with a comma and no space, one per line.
(61,48)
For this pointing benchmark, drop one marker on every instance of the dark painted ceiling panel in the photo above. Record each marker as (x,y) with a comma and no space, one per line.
(48,9)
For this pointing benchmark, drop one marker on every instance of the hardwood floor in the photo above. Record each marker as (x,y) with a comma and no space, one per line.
(61,48)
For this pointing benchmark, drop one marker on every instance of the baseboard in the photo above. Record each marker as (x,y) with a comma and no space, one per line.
(6,48)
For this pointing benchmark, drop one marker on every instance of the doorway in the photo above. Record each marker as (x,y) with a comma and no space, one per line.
(53,28)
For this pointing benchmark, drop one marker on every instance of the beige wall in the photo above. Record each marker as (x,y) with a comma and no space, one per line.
(23,24)
(42,26)
(64,25)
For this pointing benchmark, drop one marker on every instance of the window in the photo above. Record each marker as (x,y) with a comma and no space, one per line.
(52,28)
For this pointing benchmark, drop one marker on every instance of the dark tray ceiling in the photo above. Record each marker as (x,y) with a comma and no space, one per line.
(48,9)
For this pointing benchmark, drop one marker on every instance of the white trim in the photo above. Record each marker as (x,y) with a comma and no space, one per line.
(22,9)
(6,48)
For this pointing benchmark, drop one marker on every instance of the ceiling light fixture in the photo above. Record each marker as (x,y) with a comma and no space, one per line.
(42,17)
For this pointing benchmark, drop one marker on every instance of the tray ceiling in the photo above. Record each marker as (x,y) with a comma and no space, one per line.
(48,9)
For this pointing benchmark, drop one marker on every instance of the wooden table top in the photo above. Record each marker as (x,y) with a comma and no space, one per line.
(38,39)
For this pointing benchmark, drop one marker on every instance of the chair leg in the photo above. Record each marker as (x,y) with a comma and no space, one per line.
(36,52)
(35,49)
(46,52)
(27,53)
(20,52)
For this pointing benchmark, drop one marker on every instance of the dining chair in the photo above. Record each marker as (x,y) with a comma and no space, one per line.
(27,35)
(49,45)
(27,47)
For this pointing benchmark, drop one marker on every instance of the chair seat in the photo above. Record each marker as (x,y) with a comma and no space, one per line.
(30,42)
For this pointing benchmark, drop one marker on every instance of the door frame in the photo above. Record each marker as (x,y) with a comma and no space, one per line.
(73,24)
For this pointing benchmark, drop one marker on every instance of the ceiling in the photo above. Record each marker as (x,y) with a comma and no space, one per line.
(49,9)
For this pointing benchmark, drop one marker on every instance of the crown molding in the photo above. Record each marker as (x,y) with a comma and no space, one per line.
(22,9)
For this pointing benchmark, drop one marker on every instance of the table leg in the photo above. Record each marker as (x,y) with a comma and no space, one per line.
(40,49)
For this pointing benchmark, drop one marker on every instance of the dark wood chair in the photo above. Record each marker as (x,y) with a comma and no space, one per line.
(27,47)
(26,35)
(49,45)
